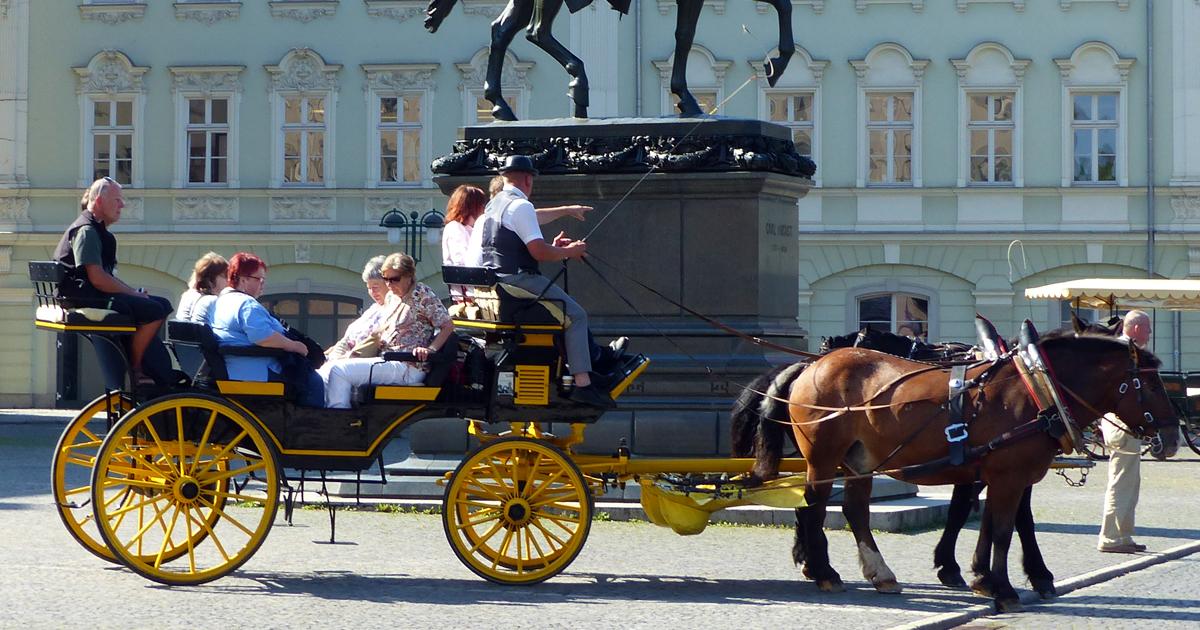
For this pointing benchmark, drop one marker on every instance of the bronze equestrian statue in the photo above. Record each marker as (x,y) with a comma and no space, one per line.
(538,17)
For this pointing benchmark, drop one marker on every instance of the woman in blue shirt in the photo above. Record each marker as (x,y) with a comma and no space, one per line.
(238,319)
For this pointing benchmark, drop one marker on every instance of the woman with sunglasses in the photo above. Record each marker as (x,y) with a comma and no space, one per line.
(414,321)
(239,319)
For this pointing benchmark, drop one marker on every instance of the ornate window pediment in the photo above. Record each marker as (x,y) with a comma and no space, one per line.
(110,72)
(303,120)
(303,70)
(706,79)
(991,116)
(207,12)
(514,82)
(303,10)
(399,10)
(112,12)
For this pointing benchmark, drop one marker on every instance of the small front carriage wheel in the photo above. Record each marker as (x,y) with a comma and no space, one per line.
(517,511)
(188,476)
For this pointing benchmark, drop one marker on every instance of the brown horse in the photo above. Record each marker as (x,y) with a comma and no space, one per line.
(896,425)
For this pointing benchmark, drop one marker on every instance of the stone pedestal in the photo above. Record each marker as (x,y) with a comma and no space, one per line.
(712,225)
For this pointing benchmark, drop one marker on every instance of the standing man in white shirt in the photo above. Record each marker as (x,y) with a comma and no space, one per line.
(1124,461)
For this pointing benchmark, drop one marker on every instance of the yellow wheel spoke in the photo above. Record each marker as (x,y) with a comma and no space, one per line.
(154,434)
(472,483)
(561,543)
(476,504)
(137,538)
(135,483)
(162,549)
(224,515)
(91,436)
(94,443)
(140,460)
(211,535)
(179,437)
(203,443)
(487,516)
(223,452)
(568,494)
(232,472)
(533,470)
(484,538)
(77,490)
(532,540)
(133,506)
(86,462)
(508,536)
(545,484)
(559,520)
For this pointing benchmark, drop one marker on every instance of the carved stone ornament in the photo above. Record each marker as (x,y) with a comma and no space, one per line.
(206,79)
(817,6)
(961,5)
(303,70)
(375,207)
(3,9)
(917,5)
(593,153)
(14,210)
(303,208)
(490,9)
(112,13)
(303,252)
(135,210)
(473,73)
(206,208)
(110,72)
(1065,5)
(1186,207)
(303,10)
(399,10)
(207,13)
(716,6)
(398,77)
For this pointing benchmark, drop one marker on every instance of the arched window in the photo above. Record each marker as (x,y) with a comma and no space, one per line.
(901,313)
(322,317)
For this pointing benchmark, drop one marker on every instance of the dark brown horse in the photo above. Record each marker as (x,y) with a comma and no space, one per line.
(895,426)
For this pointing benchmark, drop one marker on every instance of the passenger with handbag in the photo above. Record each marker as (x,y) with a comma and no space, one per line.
(359,331)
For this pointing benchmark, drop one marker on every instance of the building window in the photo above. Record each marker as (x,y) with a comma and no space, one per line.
(794,111)
(1094,130)
(208,140)
(322,317)
(889,137)
(901,313)
(303,140)
(991,129)
(514,85)
(707,99)
(112,140)
(706,80)
(400,139)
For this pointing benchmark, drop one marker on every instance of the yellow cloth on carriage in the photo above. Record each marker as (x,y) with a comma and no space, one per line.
(688,513)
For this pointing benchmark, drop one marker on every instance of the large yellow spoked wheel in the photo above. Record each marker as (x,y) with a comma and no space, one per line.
(71,469)
(517,511)
(196,475)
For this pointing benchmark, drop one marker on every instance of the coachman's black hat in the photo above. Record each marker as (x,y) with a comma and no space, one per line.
(518,164)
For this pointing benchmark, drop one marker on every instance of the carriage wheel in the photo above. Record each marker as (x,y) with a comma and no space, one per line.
(517,511)
(1191,433)
(71,471)
(186,475)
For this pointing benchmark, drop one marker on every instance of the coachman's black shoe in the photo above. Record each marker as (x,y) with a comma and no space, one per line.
(592,397)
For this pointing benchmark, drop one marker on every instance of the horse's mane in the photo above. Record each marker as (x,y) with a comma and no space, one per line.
(1096,343)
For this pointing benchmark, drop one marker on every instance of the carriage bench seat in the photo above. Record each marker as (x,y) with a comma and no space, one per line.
(498,306)
(53,314)
(428,391)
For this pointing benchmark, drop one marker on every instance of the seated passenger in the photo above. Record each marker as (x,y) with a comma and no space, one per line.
(414,321)
(360,329)
(465,206)
(239,320)
(207,281)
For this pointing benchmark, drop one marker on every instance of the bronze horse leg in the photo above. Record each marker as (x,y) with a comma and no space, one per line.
(516,15)
(541,35)
(787,47)
(687,16)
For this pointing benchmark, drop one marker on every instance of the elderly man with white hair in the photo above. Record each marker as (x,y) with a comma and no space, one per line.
(1124,461)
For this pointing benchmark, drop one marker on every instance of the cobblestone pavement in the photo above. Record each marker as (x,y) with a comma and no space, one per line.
(396,570)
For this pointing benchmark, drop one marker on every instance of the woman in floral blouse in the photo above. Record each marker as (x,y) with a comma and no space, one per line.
(414,321)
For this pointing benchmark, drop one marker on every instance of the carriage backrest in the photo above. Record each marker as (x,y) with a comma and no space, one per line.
(200,336)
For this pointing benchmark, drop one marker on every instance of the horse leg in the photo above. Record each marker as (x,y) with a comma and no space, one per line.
(856,506)
(982,560)
(816,565)
(515,16)
(948,571)
(800,546)
(688,15)
(1004,503)
(542,36)
(787,47)
(1031,556)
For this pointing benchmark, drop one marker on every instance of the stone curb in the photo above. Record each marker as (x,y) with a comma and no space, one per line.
(1031,598)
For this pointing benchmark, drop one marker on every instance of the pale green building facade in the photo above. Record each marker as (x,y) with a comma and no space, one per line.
(942,129)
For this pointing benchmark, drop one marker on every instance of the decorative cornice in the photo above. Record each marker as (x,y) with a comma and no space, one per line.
(375,207)
(135,210)
(817,6)
(111,13)
(917,5)
(490,9)
(719,66)
(399,10)
(515,74)
(207,208)
(717,6)
(303,69)
(400,76)
(303,10)
(1065,5)
(14,210)
(110,72)
(207,13)
(1186,207)
(206,79)
(961,5)
(3,9)
(303,208)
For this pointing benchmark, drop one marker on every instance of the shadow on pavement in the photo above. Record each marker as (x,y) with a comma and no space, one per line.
(1094,530)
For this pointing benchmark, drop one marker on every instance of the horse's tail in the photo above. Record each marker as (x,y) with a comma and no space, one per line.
(436,11)
(757,421)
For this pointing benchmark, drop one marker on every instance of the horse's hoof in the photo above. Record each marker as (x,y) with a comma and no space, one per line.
(831,586)
(1045,589)
(982,588)
(503,112)
(1012,605)
(805,572)
(888,586)
(953,579)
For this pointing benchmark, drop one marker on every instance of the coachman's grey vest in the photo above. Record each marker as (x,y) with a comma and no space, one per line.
(502,249)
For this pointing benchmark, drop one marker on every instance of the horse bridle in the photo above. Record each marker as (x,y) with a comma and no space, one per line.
(1134,384)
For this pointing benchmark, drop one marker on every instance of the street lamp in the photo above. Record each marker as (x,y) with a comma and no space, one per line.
(408,230)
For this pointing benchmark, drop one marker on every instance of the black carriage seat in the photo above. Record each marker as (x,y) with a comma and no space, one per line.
(499,306)
(56,314)
(212,373)
(440,365)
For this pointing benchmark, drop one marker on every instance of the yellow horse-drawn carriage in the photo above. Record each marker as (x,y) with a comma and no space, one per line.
(183,484)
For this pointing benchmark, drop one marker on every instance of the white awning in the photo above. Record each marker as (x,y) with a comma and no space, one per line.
(1127,293)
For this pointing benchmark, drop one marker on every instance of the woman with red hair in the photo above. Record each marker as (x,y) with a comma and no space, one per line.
(238,319)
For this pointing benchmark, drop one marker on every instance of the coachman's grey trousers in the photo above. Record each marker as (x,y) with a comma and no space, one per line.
(579,357)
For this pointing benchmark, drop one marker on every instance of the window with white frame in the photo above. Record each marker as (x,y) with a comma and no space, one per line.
(207,134)
(400,139)
(482,113)
(112,140)
(991,129)
(794,110)
(304,97)
(901,313)
(514,85)
(398,105)
(706,80)
(111,103)
(889,137)
(1094,128)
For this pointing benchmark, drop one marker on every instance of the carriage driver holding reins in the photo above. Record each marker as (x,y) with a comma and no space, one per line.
(509,239)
